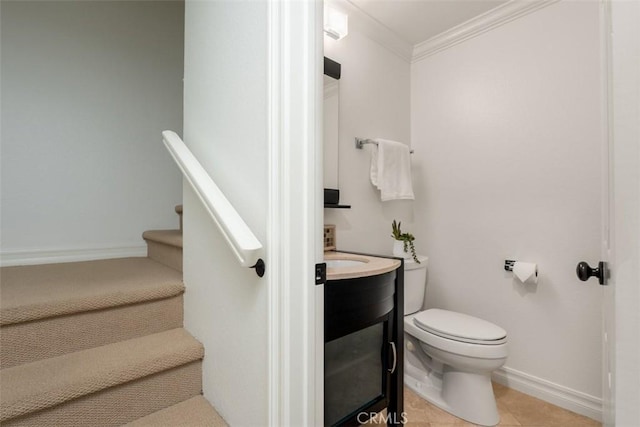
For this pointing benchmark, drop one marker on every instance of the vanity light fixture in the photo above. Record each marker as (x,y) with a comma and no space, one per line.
(336,23)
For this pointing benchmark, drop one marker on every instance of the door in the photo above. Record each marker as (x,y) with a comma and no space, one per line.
(625,200)
(599,272)
(607,230)
(621,215)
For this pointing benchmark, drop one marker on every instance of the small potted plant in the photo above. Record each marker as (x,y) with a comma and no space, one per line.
(403,243)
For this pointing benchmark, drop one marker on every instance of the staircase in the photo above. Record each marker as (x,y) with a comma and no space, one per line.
(165,246)
(101,343)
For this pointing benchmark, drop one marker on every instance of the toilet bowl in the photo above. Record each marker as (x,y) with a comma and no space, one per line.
(449,356)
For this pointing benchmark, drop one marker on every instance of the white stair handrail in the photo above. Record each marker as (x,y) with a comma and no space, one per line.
(243,242)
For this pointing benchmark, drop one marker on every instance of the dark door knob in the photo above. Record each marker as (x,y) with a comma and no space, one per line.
(584,271)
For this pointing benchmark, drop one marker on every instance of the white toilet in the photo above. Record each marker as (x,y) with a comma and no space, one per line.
(449,356)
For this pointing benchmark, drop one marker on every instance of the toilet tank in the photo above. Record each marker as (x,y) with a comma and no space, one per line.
(415,282)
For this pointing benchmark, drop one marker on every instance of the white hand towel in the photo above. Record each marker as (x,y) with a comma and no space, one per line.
(391,170)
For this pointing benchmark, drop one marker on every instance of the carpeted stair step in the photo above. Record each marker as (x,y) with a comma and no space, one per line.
(108,385)
(179,212)
(196,411)
(165,246)
(50,310)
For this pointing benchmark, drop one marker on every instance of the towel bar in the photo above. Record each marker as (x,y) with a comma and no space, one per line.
(361,141)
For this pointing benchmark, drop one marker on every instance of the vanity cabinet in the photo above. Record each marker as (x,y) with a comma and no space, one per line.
(363,348)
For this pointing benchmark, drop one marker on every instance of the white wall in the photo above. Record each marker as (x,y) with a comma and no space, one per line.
(87,88)
(374,102)
(507,132)
(225,126)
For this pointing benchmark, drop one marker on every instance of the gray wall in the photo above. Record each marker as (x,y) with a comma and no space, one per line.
(87,88)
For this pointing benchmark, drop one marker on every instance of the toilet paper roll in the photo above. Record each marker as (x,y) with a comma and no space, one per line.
(526,272)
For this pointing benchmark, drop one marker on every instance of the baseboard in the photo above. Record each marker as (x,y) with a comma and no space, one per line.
(33,257)
(564,397)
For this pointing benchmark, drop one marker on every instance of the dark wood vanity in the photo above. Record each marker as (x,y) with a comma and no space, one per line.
(363,310)
(364,347)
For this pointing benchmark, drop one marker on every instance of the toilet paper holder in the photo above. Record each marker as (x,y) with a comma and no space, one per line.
(508,264)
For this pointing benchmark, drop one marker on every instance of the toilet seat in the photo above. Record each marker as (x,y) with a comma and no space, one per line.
(459,327)
(480,351)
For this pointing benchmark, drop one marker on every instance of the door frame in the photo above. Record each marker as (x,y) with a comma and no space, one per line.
(295,211)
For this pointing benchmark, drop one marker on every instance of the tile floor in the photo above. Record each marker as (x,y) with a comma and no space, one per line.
(516,409)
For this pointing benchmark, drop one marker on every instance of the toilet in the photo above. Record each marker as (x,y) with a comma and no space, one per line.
(449,356)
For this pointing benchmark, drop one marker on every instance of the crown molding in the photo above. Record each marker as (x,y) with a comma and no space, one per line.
(480,24)
(374,29)
(378,32)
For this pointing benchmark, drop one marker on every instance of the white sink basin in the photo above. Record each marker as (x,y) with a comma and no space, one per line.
(341,263)
(344,265)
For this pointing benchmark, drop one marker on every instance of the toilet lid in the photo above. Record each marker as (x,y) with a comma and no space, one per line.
(459,327)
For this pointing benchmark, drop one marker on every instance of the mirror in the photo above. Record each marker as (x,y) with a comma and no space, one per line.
(332,72)
(331,126)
